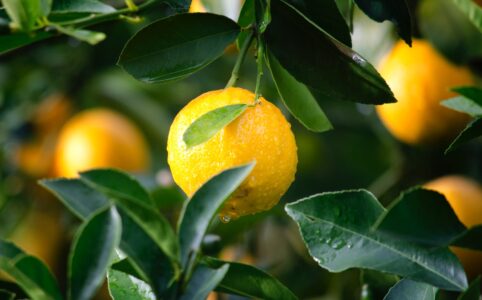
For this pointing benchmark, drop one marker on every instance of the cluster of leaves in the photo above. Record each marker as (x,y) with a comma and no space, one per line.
(124,237)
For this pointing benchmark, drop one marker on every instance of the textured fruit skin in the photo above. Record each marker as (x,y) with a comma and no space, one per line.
(100,138)
(260,134)
(420,79)
(465,197)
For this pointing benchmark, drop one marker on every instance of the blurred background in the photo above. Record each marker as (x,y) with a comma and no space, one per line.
(55,95)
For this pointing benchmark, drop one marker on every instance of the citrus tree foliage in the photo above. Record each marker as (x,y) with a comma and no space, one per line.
(305,45)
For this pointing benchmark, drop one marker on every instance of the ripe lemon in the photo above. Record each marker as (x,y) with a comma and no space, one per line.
(420,79)
(197,7)
(100,138)
(465,197)
(261,133)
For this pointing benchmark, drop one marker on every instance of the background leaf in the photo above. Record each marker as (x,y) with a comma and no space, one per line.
(470,132)
(81,6)
(472,10)
(407,290)
(203,281)
(24,13)
(162,51)
(92,251)
(17,40)
(88,36)
(473,292)
(207,125)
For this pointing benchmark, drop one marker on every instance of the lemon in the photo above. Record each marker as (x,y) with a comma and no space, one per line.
(197,7)
(100,138)
(420,79)
(465,198)
(260,134)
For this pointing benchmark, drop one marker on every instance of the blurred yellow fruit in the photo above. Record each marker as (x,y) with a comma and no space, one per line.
(197,7)
(232,253)
(420,79)
(40,234)
(260,134)
(465,197)
(100,138)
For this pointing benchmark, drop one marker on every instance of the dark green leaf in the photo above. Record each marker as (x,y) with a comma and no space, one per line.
(338,231)
(472,131)
(207,125)
(375,285)
(14,41)
(79,198)
(163,50)
(326,15)
(6,295)
(81,6)
(472,10)
(421,216)
(125,287)
(28,272)
(203,281)
(407,290)
(88,36)
(126,266)
(298,99)
(394,10)
(92,251)
(23,13)
(471,92)
(471,239)
(117,184)
(473,292)
(246,18)
(248,281)
(322,63)
(347,10)
(449,30)
(202,207)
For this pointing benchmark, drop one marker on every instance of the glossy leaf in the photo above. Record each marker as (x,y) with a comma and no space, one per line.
(248,281)
(338,231)
(23,13)
(81,6)
(472,10)
(203,281)
(326,15)
(88,36)
(421,216)
(92,251)
(473,292)
(207,125)
(125,287)
(394,10)
(471,131)
(298,99)
(407,290)
(31,274)
(471,239)
(14,41)
(322,63)
(79,198)
(163,50)
(116,183)
(204,205)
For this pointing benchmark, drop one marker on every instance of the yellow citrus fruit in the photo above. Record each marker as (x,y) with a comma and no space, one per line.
(465,198)
(420,79)
(197,7)
(260,134)
(100,138)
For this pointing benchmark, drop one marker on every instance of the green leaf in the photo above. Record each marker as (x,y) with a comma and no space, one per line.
(88,36)
(248,281)
(23,13)
(92,251)
(117,184)
(163,50)
(394,10)
(207,125)
(14,41)
(326,15)
(203,206)
(203,281)
(246,18)
(473,292)
(45,7)
(375,285)
(471,131)
(338,231)
(322,63)
(125,287)
(470,239)
(298,99)
(449,30)
(81,6)
(126,266)
(78,197)
(407,290)
(471,92)
(470,102)
(29,273)
(421,216)
(472,10)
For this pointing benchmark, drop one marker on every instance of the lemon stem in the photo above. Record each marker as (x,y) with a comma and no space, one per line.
(239,62)
(259,61)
